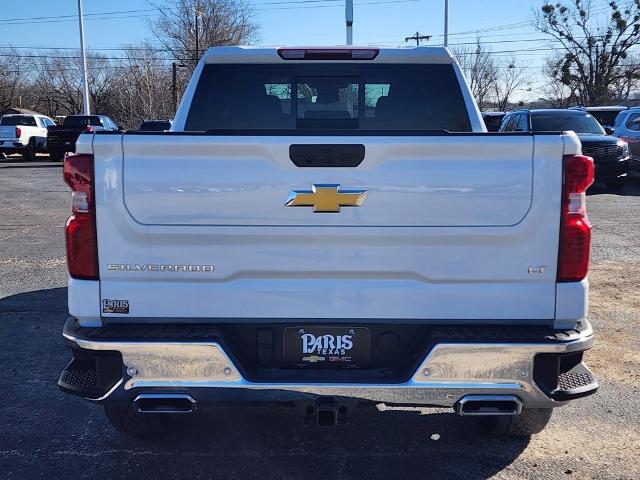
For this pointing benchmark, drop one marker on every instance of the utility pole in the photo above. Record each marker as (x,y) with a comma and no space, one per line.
(446,23)
(174,85)
(85,77)
(174,92)
(417,37)
(197,37)
(348,17)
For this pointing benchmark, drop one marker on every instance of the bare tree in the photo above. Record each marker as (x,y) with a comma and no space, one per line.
(56,88)
(143,83)
(480,70)
(219,22)
(556,93)
(14,70)
(595,61)
(510,79)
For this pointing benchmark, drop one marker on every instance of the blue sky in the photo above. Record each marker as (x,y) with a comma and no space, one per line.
(319,23)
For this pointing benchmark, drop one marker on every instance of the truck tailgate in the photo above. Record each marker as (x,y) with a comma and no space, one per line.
(412,181)
(454,227)
(7,132)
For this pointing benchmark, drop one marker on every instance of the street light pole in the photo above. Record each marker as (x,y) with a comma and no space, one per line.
(446,23)
(348,16)
(85,77)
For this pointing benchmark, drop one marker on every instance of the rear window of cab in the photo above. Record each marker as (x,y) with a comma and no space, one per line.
(381,98)
(26,120)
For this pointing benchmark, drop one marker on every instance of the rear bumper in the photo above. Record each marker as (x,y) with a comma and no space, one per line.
(113,370)
(11,146)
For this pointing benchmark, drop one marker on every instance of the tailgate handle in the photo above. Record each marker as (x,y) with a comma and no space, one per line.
(329,155)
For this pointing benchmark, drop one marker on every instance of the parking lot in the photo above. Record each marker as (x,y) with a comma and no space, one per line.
(45,433)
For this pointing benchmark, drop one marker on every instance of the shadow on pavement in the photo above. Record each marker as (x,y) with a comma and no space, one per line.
(18,162)
(47,433)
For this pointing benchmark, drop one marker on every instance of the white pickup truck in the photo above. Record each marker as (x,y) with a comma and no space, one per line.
(25,134)
(329,227)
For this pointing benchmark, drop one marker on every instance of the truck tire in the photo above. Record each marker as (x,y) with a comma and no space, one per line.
(615,185)
(29,153)
(125,419)
(56,155)
(529,422)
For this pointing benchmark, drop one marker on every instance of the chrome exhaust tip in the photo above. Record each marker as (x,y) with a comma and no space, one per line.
(164,403)
(479,405)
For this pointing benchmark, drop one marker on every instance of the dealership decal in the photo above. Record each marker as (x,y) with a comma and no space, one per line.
(115,306)
(326,344)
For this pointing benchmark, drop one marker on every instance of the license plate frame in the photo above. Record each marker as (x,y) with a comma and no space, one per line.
(326,347)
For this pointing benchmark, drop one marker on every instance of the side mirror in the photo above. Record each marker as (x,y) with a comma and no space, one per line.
(608,130)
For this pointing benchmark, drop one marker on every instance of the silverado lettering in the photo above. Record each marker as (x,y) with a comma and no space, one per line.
(127,267)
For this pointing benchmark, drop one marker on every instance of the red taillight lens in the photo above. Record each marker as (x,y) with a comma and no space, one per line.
(82,245)
(575,229)
(89,129)
(328,53)
(18,132)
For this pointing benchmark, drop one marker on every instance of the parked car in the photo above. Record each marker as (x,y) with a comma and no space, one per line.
(25,134)
(627,127)
(155,125)
(611,154)
(62,138)
(360,240)
(492,120)
(604,115)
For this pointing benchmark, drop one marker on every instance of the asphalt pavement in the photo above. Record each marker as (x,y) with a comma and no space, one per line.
(46,434)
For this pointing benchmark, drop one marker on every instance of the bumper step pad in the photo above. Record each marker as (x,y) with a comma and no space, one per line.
(76,376)
(577,382)
(91,374)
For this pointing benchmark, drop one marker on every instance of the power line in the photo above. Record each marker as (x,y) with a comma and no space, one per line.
(75,15)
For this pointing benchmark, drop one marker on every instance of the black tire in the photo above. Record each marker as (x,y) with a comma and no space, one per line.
(29,153)
(125,419)
(56,155)
(529,422)
(615,185)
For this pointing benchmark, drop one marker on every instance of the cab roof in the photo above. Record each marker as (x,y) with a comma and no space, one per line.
(329,54)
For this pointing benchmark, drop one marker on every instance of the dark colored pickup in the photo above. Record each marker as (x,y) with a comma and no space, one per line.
(343,155)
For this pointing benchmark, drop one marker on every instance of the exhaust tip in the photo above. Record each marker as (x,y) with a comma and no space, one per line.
(164,403)
(489,405)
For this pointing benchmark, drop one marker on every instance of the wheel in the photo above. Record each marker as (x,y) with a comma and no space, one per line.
(529,422)
(56,155)
(29,153)
(125,419)
(616,184)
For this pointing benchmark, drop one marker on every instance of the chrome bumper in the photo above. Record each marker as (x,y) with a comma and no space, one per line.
(449,372)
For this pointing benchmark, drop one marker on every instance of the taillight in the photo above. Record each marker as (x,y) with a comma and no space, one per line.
(575,229)
(89,129)
(328,53)
(18,132)
(82,245)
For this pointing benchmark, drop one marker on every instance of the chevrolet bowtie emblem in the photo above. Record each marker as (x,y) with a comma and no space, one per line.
(326,198)
(313,359)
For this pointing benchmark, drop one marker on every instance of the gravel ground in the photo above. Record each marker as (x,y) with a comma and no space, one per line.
(47,434)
